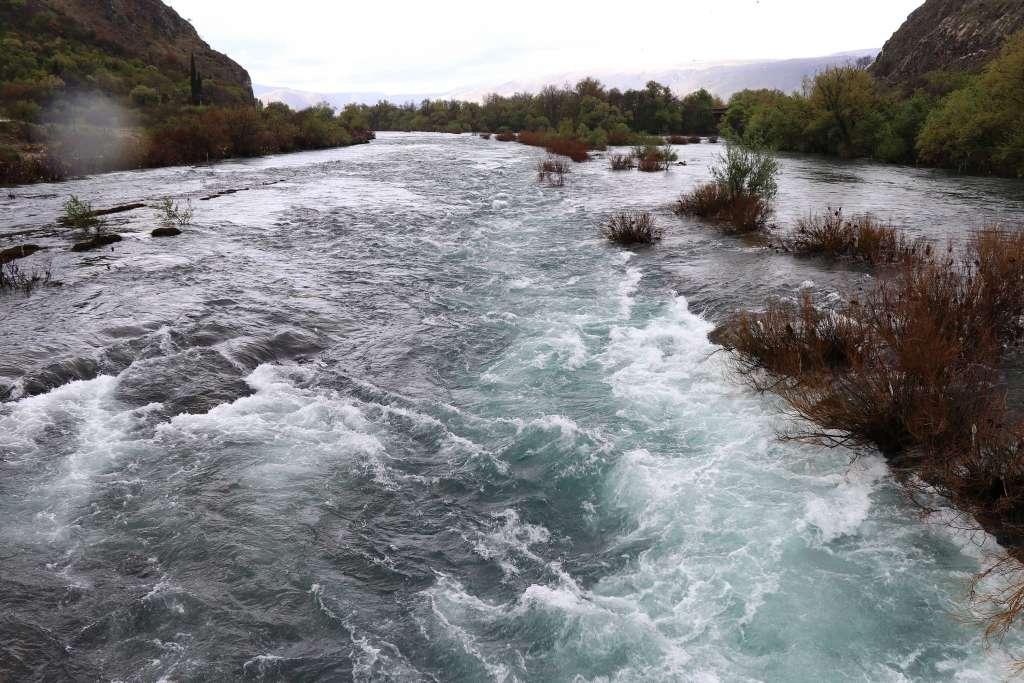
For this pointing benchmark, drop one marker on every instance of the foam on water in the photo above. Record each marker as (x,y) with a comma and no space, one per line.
(404,415)
(730,522)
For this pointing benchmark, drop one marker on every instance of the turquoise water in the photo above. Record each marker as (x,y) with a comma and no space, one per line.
(403,415)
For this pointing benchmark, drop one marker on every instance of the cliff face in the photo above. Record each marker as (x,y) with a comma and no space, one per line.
(947,34)
(150,31)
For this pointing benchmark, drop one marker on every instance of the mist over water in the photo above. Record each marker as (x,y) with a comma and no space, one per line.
(396,412)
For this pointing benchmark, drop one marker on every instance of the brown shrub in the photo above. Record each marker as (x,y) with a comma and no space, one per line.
(505,136)
(650,164)
(677,140)
(621,162)
(737,213)
(574,149)
(569,147)
(861,238)
(552,170)
(631,227)
(533,138)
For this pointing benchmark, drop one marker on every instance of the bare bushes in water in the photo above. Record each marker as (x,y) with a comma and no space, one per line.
(552,171)
(741,193)
(174,214)
(621,162)
(860,238)
(653,158)
(914,370)
(15,277)
(631,227)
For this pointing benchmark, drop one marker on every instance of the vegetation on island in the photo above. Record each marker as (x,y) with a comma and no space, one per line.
(739,197)
(970,123)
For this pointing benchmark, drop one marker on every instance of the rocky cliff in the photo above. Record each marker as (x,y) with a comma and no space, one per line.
(948,35)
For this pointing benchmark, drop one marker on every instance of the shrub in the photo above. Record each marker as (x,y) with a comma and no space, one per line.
(552,170)
(738,213)
(741,194)
(574,149)
(653,157)
(505,136)
(631,227)
(707,200)
(15,278)
(79,214)
(746,170)
(677,140)
(694,139)
(173,213)
(621,162)
(861,238)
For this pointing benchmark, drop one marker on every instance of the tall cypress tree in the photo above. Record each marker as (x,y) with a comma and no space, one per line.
(195,81)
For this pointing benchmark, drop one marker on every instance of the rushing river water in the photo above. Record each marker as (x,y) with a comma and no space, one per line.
(396,412)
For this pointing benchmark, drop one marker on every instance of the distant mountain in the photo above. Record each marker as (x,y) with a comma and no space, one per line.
(722,79)
(947,34)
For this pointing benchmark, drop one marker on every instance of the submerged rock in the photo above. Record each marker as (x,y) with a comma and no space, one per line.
(166,232)
(96,242)
(20,251)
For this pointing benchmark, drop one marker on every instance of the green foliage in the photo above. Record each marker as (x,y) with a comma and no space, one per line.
(171,213)
(587,112)
(743,170)
(79,214)
(979,128)
(972,124)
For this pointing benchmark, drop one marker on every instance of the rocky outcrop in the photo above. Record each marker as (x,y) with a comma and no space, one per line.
(947,35)
(154,33)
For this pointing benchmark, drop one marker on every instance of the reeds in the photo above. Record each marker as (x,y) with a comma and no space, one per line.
(621,162)
(552,171)
(860,238)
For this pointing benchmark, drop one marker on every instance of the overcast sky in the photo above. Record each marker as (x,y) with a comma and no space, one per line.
(432,47)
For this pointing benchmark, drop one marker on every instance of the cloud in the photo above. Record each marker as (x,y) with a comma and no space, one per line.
(434,47)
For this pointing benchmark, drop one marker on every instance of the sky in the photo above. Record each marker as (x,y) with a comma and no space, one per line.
(433,47)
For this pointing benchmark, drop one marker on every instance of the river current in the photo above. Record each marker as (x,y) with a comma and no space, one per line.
(397,412)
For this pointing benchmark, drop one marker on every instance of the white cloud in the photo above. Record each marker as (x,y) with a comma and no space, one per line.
(413,47)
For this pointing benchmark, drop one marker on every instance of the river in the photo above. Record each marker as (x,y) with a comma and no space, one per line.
(397,412)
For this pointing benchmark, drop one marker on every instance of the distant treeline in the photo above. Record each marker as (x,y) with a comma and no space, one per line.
(971,123)
(588,112)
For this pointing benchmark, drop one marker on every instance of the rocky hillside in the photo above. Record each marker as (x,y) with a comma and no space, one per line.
(948,35)
(108,45)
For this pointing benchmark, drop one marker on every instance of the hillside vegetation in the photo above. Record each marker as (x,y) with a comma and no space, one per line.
(87,86)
